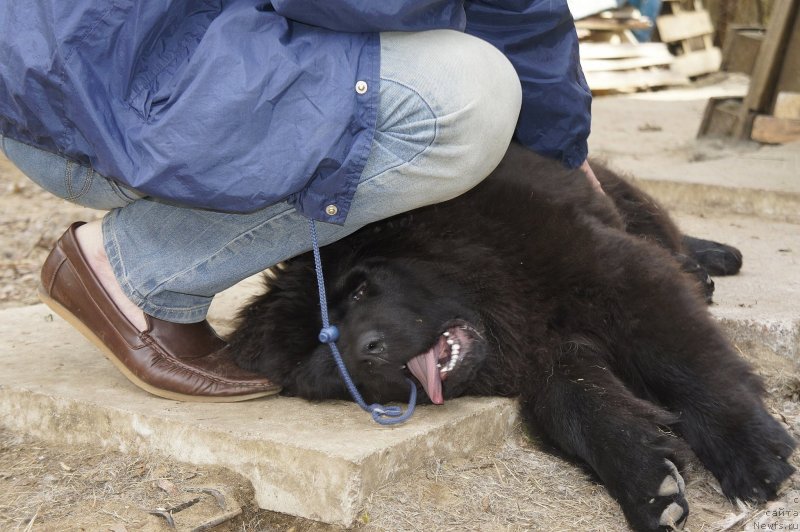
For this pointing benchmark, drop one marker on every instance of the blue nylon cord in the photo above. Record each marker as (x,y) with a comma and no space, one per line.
(384,415)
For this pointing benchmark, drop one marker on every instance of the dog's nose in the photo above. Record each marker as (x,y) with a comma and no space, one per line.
(372,343)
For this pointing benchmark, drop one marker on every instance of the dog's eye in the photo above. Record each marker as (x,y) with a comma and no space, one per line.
(359,292)
(376,347)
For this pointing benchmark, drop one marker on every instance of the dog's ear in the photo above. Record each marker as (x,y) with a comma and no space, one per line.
(278,329)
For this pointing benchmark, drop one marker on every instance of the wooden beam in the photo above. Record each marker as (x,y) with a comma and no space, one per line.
(787,105)
(673,28)
(598,50)
(741,49)
(633,79)
(605,24)
(771,130)
(720,117)
(761,92)
(601,65)
(698,63)
(789,79)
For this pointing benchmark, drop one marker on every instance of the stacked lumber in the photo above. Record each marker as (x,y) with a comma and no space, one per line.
(770,113)
(614,61)
(689,33)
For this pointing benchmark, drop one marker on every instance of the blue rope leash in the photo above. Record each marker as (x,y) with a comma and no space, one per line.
(384,415)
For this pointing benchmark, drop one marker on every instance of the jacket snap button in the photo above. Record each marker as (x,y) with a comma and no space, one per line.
(331,210)
(361,87)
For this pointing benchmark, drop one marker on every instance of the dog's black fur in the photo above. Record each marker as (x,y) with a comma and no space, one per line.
(569,299)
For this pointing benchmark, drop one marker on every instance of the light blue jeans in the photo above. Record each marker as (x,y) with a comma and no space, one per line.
(448,107)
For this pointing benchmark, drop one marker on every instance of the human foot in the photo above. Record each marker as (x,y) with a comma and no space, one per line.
(90,240)
(183,362)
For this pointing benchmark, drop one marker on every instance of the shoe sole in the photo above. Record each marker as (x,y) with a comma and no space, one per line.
(70,318)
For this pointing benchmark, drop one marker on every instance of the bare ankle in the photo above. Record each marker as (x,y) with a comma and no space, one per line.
(90,240)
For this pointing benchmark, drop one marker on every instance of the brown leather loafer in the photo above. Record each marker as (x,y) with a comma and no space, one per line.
(184,362)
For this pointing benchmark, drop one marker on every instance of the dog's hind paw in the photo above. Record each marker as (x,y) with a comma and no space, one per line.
(675,514)
(666,507)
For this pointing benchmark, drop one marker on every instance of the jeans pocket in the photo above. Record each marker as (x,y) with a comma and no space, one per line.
(77,181)
(67,179)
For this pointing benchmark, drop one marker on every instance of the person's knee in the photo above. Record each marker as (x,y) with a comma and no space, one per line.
(489,110)
(473,93)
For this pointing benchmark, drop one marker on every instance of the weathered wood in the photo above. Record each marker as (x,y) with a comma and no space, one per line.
(601,65)
(605,24)
(583,8)
(787,105)
(685,25)
(767,67)
(741,49)
(771,130)
(592,50)
(789,79)
(633,79)
(698,63)
(721,117)
(762,90)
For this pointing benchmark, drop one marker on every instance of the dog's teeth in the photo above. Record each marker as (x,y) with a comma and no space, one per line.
(450,341)
(403,366)
(439,365)
(446,334)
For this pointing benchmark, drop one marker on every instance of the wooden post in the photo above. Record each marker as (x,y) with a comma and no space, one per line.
(761,92)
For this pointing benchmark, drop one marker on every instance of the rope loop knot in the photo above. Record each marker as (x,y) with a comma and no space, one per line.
(328,334)
(384,415)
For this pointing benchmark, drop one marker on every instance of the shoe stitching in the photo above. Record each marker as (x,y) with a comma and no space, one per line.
(156,347)
(51,276)
(148,340)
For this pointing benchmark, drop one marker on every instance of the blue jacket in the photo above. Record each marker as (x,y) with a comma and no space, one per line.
(236,104)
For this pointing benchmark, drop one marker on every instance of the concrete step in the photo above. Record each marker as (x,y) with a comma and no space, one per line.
(760,307)
(707,176)
(318,461)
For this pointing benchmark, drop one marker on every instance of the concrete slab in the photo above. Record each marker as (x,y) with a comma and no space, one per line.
(702,177)
(317,461)
(761,305)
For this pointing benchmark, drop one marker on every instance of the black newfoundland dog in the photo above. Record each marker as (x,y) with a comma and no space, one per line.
(589,308)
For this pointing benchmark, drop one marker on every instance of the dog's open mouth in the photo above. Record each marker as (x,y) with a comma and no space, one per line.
(433,366)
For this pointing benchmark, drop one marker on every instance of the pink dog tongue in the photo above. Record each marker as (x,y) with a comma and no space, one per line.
(423,367)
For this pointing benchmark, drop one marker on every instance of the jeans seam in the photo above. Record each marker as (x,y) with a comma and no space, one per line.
(69,174)
(115,258)
(425,148)
(144,297)
(117,189)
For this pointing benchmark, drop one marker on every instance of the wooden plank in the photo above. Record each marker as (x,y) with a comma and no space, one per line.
(698,63)
(605,24)
(787,105)
(771,130)
(604,65)
(789,79)
(632,79)
(721,117)
(583,8)
(767,68)
(600,65)
(741,49)
(592,50)
(673,28)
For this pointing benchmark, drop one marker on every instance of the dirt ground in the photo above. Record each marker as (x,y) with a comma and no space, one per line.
(517,486)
